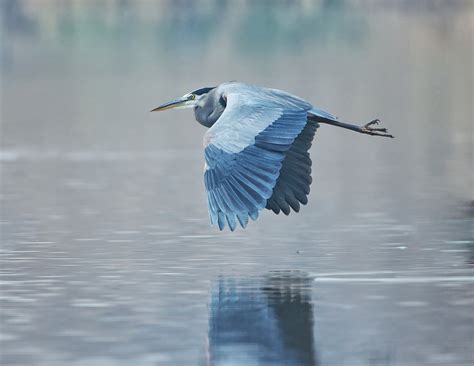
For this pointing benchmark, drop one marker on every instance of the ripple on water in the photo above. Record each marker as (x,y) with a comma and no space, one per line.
(89,303)
(396,280)
(5,337)
(412,303)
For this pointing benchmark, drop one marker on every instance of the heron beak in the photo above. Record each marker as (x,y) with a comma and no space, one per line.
(181,102)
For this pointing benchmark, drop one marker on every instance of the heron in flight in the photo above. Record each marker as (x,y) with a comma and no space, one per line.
(256,148)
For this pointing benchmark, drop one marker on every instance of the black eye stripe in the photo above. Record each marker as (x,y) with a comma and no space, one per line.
(202,91)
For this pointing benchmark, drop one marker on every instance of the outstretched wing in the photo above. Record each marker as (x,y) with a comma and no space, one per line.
(292,187)
(245,150)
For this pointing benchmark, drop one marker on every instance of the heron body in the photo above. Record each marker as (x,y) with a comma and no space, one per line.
(256,148)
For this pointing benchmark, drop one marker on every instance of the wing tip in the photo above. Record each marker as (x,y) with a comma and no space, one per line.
(230,219)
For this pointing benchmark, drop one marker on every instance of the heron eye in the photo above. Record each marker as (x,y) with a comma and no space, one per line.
(192,97)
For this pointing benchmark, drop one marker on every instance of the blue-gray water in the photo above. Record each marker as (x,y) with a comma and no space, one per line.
(107,255)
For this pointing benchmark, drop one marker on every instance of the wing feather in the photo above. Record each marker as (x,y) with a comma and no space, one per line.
(293,184)
(245,154)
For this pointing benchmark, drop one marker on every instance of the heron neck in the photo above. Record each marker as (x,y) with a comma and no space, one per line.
(207,116)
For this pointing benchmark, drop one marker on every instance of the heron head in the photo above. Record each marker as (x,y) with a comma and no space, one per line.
(189,100)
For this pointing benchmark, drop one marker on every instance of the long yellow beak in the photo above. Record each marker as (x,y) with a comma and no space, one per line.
(170,105)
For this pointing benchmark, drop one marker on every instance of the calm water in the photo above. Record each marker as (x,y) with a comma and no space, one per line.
(107,255)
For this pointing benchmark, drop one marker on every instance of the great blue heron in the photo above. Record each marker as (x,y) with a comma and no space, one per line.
(256,148)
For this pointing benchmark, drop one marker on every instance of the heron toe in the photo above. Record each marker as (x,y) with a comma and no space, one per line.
(375,131)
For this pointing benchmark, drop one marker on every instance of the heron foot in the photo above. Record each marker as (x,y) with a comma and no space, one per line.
(374,131)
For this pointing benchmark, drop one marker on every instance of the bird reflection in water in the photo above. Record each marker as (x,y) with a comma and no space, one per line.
(264,321)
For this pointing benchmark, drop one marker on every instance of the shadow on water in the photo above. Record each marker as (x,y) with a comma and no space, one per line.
(267,321)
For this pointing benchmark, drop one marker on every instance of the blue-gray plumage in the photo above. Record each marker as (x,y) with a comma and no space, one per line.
(256,148)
